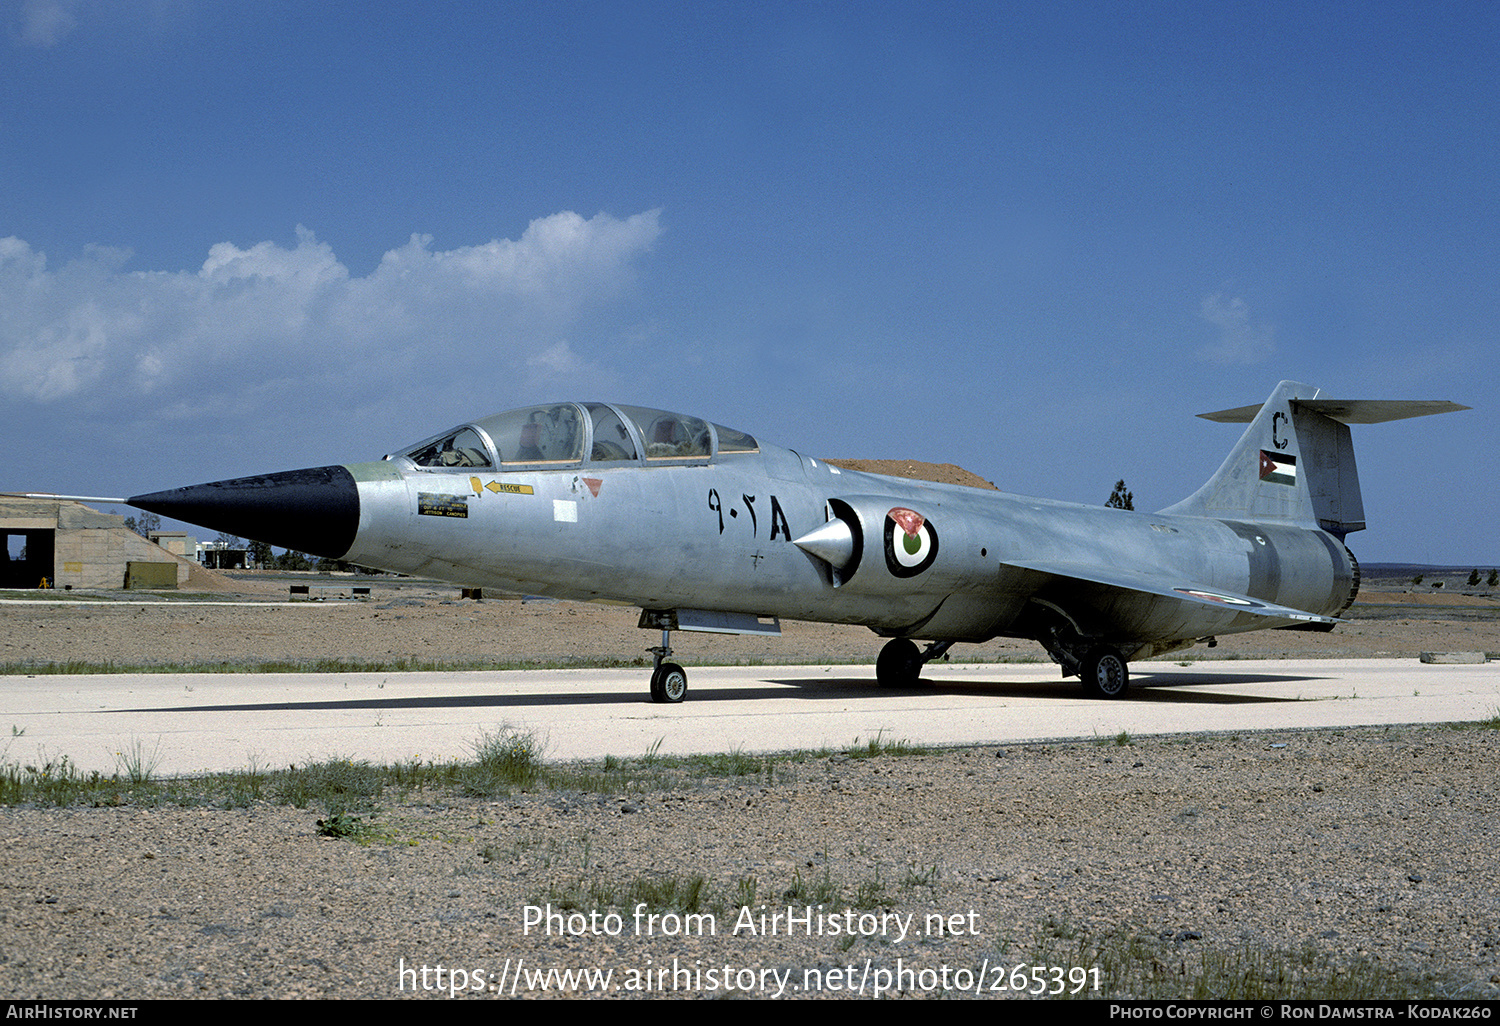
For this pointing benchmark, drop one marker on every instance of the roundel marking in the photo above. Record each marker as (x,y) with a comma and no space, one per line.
(911,542)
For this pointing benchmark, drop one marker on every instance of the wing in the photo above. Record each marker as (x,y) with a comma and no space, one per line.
(1187,592)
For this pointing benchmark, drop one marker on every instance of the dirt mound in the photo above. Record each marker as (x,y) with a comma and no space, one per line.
(916,470)
(202,579)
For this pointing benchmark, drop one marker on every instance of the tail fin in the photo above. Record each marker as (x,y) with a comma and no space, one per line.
(1295,462)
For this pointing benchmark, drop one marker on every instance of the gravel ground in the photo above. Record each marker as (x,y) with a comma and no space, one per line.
(1370,851)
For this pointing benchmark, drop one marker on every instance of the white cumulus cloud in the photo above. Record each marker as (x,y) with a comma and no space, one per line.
(91,333)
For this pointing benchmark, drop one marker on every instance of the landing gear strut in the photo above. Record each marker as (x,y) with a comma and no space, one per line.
(900,663)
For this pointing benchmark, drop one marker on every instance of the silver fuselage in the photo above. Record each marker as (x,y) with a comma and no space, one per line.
(719,535)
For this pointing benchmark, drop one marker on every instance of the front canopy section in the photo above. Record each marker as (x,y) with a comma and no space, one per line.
(462,448)
(574,434)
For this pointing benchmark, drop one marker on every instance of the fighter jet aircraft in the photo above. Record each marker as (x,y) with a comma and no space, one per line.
(708,528)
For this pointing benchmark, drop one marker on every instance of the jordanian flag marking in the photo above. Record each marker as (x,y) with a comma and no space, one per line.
(1278,468)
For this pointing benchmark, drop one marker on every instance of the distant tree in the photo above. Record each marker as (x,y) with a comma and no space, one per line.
(225,540)
(1417,579)
(260,553)
(292,560)
(1494,578)
(144,524)
(1121,498)
(1473,578)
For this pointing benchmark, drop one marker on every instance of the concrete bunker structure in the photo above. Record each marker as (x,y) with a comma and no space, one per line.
(60,543)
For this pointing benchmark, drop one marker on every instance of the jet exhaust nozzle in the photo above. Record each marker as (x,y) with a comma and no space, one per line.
(314,511)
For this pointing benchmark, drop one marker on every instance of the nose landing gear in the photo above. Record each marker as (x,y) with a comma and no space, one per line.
(668,679)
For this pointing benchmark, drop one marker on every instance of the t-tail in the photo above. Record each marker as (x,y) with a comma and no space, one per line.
(1295,462)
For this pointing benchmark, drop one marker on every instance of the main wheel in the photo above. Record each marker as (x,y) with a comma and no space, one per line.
(899,664)
(668,683)
(1105,674)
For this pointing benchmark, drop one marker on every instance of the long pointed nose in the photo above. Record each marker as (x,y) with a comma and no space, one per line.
(314,511)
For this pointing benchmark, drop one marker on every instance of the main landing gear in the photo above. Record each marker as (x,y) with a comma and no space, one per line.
(1104,673)
(900,663)
(1100,667)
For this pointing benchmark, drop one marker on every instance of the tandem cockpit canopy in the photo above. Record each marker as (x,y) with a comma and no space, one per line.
(566,434)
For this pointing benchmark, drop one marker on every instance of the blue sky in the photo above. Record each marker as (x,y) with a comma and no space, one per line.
(1033,240)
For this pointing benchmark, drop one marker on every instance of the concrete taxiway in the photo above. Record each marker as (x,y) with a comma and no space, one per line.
(183,723)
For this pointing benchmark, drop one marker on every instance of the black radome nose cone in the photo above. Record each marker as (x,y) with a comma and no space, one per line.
(314,511)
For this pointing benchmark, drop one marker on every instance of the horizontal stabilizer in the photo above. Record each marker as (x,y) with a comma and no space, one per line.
(1179,591)
(1349,411)
(1295,462)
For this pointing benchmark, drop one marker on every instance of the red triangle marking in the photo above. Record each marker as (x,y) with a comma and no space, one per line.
(909,520)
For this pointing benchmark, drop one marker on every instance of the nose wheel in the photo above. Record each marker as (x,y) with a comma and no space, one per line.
(668,683)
